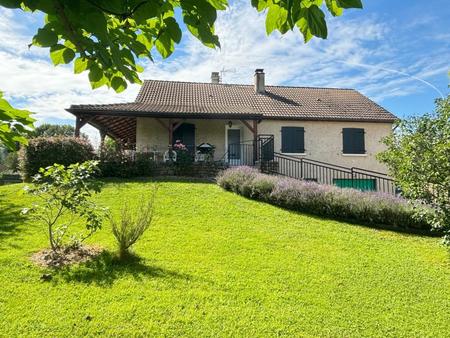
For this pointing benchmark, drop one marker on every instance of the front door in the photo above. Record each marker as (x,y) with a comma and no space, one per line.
(186,134)
(234,146)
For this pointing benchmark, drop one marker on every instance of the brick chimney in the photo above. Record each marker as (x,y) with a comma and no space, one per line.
(260,86)
(215,77)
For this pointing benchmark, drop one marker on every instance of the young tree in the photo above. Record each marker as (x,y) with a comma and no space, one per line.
(418,157)
(64,197)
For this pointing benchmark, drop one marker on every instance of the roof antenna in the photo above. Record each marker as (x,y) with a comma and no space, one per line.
(224,70)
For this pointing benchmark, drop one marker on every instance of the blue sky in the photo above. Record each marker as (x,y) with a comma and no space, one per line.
(395,52)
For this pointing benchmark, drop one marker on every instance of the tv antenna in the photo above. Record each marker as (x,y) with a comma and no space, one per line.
(225,70)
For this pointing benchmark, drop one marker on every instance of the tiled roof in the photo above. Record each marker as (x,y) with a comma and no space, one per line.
(278,102)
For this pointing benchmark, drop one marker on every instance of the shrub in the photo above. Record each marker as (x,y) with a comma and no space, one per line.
(11,161)
(42,152)
(132,224)
(119,163)
(325,200)
(238,179)
(64,197)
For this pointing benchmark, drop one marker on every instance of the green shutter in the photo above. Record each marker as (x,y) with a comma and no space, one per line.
(292,140)
(353,141)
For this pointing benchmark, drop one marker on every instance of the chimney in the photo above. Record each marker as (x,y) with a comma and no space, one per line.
(260,87)
(215,77)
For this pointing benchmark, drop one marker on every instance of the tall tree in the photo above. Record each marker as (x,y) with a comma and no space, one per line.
(48,129)
(418,157)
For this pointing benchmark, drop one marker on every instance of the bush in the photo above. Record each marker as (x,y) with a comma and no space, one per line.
(118,163)
(11,162)
(325,200)
(42,152)
(132,224)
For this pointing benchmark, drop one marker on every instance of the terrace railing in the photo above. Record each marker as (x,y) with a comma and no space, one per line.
(326,173)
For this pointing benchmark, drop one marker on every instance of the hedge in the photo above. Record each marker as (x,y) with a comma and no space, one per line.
(369,208)
(42,152)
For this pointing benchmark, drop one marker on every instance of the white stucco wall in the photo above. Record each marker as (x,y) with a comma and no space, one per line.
(323,140)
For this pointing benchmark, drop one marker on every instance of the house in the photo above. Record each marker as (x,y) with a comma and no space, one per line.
(336,126)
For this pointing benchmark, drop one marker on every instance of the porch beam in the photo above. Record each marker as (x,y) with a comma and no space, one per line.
(248,125)
(81,121)
(175,127)
(162,123)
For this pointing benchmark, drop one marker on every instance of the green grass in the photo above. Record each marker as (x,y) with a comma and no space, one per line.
(217,264)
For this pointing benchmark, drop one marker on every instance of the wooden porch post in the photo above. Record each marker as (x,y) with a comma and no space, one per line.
(77,126)
(170,133)
(102,138)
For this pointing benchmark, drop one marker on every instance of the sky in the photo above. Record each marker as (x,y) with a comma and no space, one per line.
(396,52)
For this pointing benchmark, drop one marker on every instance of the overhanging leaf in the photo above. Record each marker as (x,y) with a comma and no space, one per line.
(60,54)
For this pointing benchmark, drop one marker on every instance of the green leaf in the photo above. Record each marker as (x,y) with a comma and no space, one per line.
(260,5)
(276,19)
(80,65)
(45,38)
(10,3)
(302,24)
(118,84)
(316,21)
(333,7)
(147,11)
(60,54)
(164,45)
(349,3)
(219,4)
(173,29)
(95,74)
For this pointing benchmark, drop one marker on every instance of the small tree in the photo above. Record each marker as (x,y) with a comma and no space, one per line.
(64,197)
(132,224)
(418,157)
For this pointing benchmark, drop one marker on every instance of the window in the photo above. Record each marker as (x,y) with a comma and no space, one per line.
(293,140)
(353,141)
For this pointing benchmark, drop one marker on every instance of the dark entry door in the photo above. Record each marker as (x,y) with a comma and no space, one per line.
(234,144)
(186,134)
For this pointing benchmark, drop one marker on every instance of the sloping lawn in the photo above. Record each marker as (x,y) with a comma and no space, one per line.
(216,264)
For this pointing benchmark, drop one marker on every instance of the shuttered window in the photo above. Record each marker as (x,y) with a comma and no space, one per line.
(353,141)
(293,140)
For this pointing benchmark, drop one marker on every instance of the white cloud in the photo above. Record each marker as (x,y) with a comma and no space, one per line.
(356,55)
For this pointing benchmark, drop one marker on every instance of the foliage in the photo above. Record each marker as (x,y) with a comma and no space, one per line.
(324,200)
(42,152)
(212,261)
(11,161)
(133,222)
(47,130)
(116,162)
(418,157)
(184,162)
(105,38)
(64,196)
(14,124)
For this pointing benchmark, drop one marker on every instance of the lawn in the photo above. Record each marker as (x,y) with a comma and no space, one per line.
(217,264)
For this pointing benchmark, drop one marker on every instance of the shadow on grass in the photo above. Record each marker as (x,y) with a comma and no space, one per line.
(10,219)
(106,268)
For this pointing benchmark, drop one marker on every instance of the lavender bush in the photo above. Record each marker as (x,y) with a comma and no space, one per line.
(349,204)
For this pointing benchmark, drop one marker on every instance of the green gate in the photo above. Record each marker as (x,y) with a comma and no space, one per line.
(366,184)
